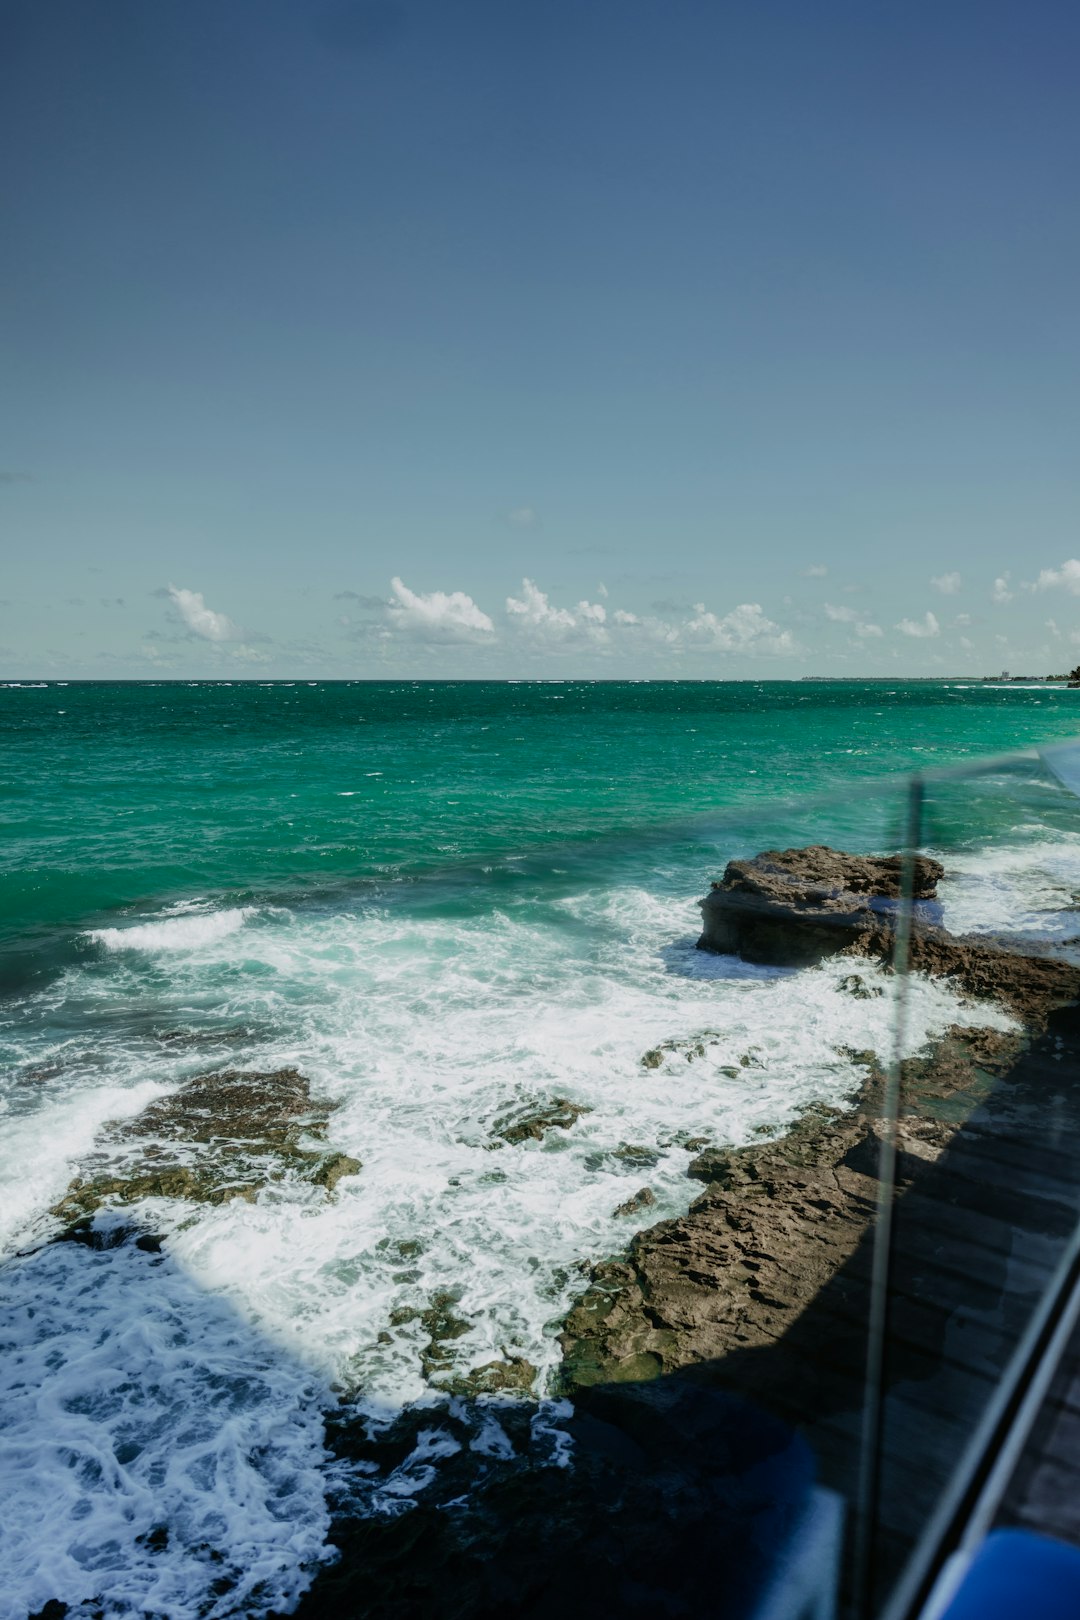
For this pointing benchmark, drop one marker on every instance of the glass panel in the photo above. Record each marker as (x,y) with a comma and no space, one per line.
(987,1136)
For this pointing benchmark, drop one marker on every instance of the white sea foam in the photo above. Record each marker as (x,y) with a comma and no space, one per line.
(174,933)
(431,1034)
(1022,887)
(135,1404)
(40,1149)
(430,1026)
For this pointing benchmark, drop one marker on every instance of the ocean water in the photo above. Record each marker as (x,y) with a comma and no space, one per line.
(445,903)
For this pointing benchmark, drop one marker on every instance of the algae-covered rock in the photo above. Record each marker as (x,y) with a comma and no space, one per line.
(533,1125)
(443,1327)
(217,1137)
(512,1376)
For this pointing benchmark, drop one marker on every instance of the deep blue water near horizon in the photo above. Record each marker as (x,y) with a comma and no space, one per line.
(444,903)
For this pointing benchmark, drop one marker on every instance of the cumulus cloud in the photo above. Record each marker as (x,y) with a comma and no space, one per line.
(532,614)
(926,626)
(1052,626)
(535,623)
(841,615)
(437,615)
(1066,578)
(200,619)
(867,631)
(947,584)
(815,571)
(1001,591)
(744,629)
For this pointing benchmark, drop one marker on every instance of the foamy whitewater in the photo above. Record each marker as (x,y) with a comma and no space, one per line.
(162,1446)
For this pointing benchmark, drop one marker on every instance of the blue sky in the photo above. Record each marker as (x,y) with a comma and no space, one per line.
(504,337)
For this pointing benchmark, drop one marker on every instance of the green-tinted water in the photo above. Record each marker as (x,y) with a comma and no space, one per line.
(120,794)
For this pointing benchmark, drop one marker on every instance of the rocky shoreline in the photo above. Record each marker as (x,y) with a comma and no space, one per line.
(777,1221)
(760,1290)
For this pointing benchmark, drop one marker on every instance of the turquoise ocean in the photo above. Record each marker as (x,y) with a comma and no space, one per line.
(443,903)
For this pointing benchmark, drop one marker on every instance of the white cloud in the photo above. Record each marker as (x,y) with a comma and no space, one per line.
(815,571)
(522,517)
(842,615)
(961,620)
(966,644)
(744,629)
(1067,578)
(1001,591)
(621,616)
(865,631)
(926,626)
(437,615)
(1052,626)
(947,584)
(200,619)
(532,615)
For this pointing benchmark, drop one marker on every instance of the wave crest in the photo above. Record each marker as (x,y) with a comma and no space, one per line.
(174,933)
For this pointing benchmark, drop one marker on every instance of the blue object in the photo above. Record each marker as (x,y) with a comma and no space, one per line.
(1016,1575)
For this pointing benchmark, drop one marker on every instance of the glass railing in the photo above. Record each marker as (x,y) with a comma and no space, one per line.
(881,1270)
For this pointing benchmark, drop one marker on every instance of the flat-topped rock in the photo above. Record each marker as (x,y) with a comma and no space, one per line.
(795,907)
(217,1137)
(792,907)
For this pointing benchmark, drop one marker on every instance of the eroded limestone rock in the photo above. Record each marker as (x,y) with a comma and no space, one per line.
(218,1137)
(795,907)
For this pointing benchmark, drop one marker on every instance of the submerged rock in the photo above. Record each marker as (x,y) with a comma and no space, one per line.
(695,1047)
(533,1126)
(218,1137)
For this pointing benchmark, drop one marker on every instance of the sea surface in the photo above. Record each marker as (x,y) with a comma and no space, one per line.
(445,904)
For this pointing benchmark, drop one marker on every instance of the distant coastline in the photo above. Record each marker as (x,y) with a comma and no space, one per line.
(1004,679)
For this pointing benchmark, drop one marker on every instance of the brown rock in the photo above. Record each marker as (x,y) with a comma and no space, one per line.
(794,907)
(643,1199)
(774,1224)
(220,1136)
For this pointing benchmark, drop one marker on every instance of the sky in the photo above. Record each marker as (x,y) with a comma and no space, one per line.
(606,338)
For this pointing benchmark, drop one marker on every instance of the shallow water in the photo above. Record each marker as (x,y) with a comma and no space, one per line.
(444,904)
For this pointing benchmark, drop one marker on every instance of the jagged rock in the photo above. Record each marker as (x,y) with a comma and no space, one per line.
(558,1114)
(774,1224)
(218,1137)
(643,1199)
